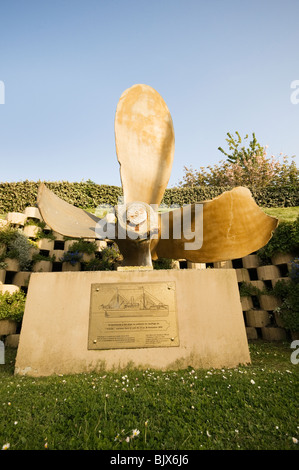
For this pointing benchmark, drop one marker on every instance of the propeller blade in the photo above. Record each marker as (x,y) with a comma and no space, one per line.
(64,218)
(144,138)
(232,226)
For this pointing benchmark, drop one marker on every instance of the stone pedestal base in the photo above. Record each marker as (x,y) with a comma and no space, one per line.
(54,335)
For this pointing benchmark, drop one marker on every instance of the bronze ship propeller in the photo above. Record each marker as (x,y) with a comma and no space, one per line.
(228,227)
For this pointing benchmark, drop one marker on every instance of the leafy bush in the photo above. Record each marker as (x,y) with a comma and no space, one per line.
(16,245)
(72,257)
(95,264)
(162,263)
(110,258)
(249,167)
(294,271)
(284,240)
(40,257)
(289,310)
(288,292)
(83,246)
(12,306)
(246,290)
(76,250)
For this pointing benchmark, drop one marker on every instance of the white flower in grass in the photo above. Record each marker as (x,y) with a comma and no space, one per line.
(6,446)
(295,440)
(135,432)
(252,381)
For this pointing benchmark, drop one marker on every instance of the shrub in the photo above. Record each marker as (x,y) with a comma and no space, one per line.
(294,271)
(12,306)
(72,257)
(288,292)
(17,246)
(249,167)
(83,246)
(284,240)
(95,264)
(110,258)
(162,263)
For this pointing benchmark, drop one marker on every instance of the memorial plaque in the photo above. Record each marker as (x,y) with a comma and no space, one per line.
(133,315)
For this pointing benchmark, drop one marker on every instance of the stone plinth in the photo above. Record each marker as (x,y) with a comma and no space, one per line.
(55,329)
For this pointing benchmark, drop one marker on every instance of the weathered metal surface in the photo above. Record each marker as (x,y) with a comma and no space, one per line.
(133,315)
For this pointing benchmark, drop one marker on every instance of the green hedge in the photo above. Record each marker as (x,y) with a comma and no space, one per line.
(15,197)
(282,196)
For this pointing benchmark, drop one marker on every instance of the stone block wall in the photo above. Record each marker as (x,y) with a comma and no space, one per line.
(258,310)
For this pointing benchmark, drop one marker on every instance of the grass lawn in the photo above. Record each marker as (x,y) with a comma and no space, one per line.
(248,407)
(287,214)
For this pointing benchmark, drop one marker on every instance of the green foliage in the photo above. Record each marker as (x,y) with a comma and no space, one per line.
(162,263)
(95,264)
(39,257)
(110,258)
(77,248)
(71,257)
(284,240)
(288,292)
(250,167)
(16,245)
(83,246)
(283,196)
(15,197)
(12,306)
(238,153)
(277,196)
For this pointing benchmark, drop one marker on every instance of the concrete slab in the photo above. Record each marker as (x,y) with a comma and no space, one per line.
(54,335)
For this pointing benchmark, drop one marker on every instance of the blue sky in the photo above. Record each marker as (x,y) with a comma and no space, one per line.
(221,66)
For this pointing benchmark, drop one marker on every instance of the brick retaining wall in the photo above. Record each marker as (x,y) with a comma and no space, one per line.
(258,310)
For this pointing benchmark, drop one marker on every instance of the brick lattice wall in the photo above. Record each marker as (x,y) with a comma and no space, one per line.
(260,318)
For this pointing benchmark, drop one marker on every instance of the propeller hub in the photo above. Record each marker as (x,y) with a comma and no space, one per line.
(137,220)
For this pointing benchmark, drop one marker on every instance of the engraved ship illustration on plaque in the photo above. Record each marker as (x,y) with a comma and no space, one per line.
(138,303)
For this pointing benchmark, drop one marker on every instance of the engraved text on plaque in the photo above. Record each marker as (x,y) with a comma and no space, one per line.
(133,315)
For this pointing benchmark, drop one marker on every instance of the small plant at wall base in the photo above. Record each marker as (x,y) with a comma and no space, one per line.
(163,263)
(110,258)
(12,306)
(93,265)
